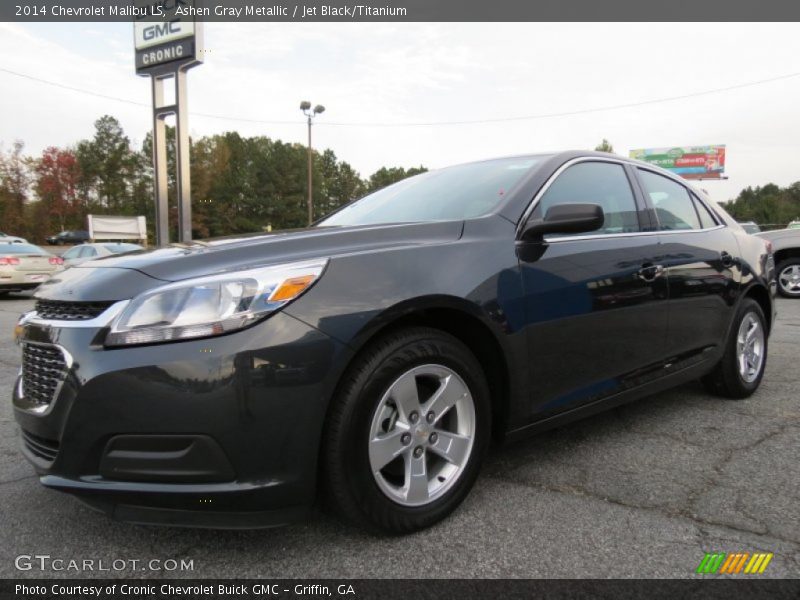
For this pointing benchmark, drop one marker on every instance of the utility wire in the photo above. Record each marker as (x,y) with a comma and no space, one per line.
(135,103)
(428,123)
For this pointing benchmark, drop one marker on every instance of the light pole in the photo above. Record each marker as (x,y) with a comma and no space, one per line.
(305,106)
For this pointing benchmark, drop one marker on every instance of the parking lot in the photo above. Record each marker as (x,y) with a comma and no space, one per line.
(641,491)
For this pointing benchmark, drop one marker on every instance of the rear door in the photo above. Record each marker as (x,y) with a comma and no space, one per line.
(700,259)
(595,303)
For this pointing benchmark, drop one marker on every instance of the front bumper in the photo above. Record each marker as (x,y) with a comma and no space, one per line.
(221,432)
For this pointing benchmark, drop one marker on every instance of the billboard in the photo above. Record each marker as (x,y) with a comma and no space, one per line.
(690,162)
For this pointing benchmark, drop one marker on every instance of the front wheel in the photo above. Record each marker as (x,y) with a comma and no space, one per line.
(738,374)
(407,432)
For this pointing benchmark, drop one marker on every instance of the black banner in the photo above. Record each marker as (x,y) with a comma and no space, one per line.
(408,10)
(375,589)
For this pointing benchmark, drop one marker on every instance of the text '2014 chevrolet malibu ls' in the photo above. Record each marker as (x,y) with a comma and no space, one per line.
(370,360)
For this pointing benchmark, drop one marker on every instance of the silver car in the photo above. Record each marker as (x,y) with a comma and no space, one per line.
(786,248)
(13,239)
(79,254)
(25,266)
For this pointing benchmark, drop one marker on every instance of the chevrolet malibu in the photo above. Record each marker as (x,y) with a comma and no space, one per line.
(24,266)
(370,361)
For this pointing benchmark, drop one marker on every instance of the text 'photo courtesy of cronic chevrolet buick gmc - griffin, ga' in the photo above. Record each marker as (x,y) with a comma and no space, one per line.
(368,362)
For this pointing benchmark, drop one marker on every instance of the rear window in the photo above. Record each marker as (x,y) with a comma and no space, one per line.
(672,202)
(21,249)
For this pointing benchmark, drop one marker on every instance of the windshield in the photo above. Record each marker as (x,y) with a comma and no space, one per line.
(455,193)
(122,248)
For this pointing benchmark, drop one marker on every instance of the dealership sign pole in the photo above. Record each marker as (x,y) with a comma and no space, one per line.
(167,45)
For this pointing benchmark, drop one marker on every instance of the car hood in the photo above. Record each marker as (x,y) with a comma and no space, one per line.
(122,277)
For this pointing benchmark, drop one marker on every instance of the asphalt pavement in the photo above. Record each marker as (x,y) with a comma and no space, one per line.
(641,491)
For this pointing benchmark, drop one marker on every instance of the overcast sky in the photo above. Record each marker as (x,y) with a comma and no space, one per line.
(433,72)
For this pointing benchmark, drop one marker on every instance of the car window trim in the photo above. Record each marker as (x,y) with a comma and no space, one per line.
(640,213)
(602,236)
(714,216)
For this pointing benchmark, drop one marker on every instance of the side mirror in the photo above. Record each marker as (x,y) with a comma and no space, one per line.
(565,218)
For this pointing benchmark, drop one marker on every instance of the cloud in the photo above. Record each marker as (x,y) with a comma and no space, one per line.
(389,73)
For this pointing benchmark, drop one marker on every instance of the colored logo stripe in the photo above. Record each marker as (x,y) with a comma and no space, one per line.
(734,563)
(759,562)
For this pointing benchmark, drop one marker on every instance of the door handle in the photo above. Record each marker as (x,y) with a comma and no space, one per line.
(650,272)
(727,260)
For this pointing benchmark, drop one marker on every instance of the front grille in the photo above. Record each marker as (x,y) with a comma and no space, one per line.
(70,311)
(43,370)
(39,446)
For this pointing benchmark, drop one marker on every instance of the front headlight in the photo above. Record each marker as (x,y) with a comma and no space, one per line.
(212,305)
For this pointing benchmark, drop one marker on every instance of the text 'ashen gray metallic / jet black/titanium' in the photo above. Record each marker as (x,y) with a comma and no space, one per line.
(369,361)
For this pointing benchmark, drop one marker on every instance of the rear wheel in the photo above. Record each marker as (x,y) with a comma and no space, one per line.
(407,432)
(789,278)
(738,374)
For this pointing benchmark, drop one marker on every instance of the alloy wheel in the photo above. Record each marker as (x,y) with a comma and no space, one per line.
(750,347)
(422,434)
(789,280)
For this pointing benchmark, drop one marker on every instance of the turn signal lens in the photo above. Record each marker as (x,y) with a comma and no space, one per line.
(291,288)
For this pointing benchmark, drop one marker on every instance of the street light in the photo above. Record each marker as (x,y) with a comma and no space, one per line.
(305,106)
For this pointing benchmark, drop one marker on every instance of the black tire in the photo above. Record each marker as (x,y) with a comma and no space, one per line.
(726,380)
(349,487)
(789,262)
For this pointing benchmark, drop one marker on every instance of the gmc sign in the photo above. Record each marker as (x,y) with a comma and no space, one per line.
(163,37)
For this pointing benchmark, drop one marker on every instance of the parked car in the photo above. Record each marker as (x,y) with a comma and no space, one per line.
(793,225)
(68,237)
(5,238)
(25,266)
(372,358)
(79,254)
(786,245)
(750,227)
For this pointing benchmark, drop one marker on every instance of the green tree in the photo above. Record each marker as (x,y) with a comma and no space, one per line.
(770,205)
(604,146)
(107,166)
(389,175)
(341,184)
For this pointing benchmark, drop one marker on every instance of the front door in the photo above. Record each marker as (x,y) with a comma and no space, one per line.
(595,303)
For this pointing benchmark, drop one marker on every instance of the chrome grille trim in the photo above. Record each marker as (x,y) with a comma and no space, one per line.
(60,310)
(44,369)
(102,320)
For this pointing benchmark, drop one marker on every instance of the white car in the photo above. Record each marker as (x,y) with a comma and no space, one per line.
(11,239)
(25,266)
(79,254)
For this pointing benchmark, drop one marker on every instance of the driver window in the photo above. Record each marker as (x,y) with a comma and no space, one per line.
(602,183)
